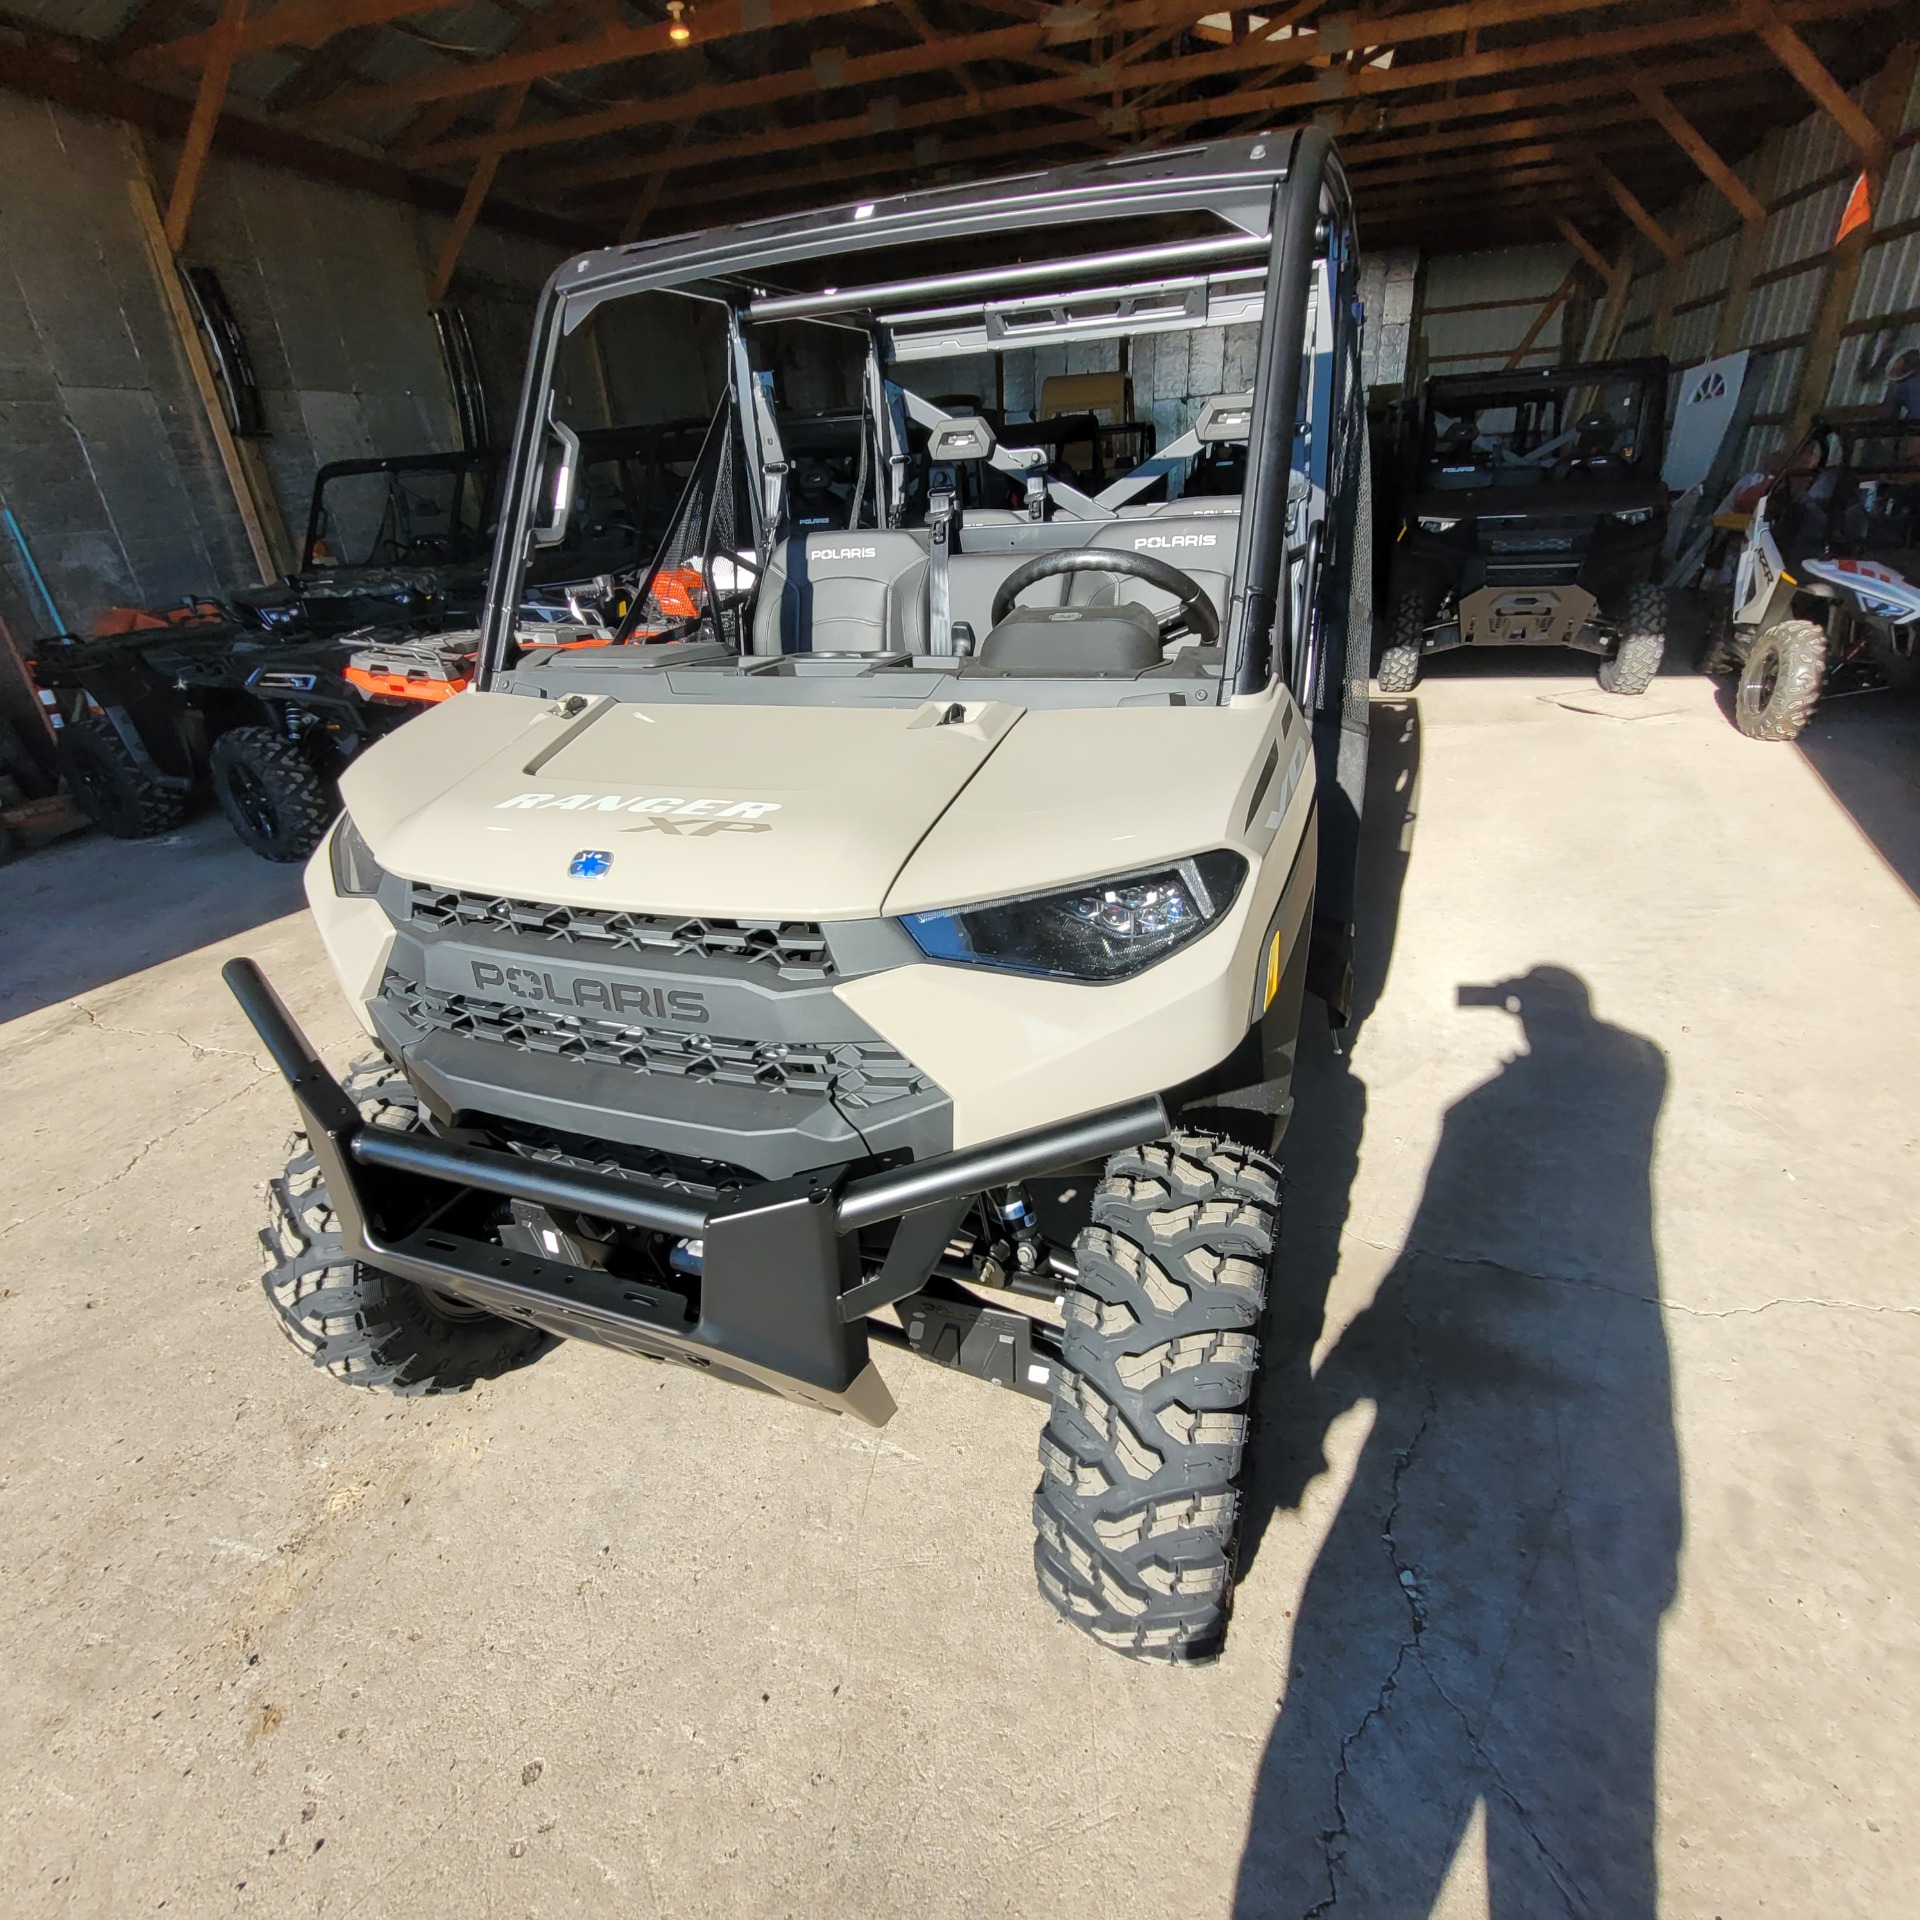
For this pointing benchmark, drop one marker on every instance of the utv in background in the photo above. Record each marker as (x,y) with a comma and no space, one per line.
(1826,587)
(263,703)
(1533,516)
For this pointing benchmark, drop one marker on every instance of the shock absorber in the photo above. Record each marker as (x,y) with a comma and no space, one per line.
(1017,1218)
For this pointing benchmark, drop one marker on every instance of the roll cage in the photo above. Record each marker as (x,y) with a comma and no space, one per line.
(1280,249)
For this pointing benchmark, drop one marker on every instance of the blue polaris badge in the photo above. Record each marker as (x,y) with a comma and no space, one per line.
(589,865)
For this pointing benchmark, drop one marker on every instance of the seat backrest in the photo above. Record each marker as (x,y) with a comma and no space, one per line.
(1201,545)
(862,592)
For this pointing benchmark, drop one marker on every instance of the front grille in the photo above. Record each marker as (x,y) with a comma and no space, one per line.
(796,949)
(851,1073)
(1531,543)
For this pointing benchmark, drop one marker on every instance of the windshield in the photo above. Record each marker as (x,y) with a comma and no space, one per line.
(423,512)
(825,422)
(1537,433)
(1849,492)
(854,472)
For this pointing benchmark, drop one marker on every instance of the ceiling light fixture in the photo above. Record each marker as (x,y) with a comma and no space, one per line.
(679,33)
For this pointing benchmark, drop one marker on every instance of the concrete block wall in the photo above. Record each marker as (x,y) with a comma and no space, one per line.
(1389,293)
(105,458)
(105,455)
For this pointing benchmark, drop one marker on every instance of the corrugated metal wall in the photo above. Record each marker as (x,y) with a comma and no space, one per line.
(1477,306)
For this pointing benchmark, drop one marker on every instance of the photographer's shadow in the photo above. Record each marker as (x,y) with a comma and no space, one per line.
(1481,1626)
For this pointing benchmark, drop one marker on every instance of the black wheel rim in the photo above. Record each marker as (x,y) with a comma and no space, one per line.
(449,1307)
(252,800)
(95,793)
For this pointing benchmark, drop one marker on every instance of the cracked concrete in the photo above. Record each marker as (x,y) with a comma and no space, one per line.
(1579,1542)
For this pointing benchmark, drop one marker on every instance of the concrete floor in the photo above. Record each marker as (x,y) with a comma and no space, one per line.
(1583,1540)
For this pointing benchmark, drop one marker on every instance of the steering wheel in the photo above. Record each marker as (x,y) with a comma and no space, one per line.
(1196,613)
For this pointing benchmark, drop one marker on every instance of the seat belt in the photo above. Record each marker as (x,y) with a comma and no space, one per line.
(940,521)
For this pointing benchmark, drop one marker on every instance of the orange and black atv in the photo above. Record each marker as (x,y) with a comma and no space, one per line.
(262,702)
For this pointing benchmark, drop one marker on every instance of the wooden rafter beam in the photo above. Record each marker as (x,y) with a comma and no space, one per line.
(534,30)
(1634,208)
(1519,123)
(1060,26)
(322,73)
(1773,26)
(475,197)
(821,75)
(1554,301)
(1515,114)
(537,30)
(1584,247)
(707,25)
(206,116)
(1506,107)
(293,23)
(1329,87)
(1371,85)
(1557,180)
(61,69)
(1688,138)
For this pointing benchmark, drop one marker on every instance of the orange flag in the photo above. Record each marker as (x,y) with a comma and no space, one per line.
(1859,210)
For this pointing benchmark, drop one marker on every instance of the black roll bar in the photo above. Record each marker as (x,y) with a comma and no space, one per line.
(1265,607)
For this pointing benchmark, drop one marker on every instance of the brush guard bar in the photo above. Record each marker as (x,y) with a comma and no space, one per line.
(783,1297)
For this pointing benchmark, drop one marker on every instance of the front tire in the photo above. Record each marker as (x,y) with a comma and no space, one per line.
(1637,659)
(111,788)
(1780,682)
(272,796)
(1400,658)
(1138,1508)
(364,1327)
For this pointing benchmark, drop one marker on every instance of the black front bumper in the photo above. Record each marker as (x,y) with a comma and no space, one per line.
(782,1295)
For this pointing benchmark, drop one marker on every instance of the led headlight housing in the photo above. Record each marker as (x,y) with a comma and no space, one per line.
(1634,516)
(355,871)
(1099,931)
(1437,523)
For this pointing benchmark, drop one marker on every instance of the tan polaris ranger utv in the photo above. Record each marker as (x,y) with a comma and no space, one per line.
(892,929)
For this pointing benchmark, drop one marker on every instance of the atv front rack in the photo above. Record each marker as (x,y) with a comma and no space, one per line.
(783,1298)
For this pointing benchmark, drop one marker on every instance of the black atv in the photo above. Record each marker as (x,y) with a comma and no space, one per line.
(1826,588)
(1533,516)
(264,702)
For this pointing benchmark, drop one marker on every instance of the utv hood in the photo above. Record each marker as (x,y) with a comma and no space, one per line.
(752,812)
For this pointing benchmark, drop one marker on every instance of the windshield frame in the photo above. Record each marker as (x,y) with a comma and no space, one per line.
(1285,187)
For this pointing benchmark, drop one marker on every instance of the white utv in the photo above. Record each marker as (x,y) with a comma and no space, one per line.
(893,932)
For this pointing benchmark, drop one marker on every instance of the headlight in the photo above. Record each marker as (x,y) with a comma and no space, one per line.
(355,870)
(1436,523)
(1104,930)
(1634,516)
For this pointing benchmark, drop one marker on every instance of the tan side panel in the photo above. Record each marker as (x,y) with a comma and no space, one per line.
(1016,1053)
(757,812)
